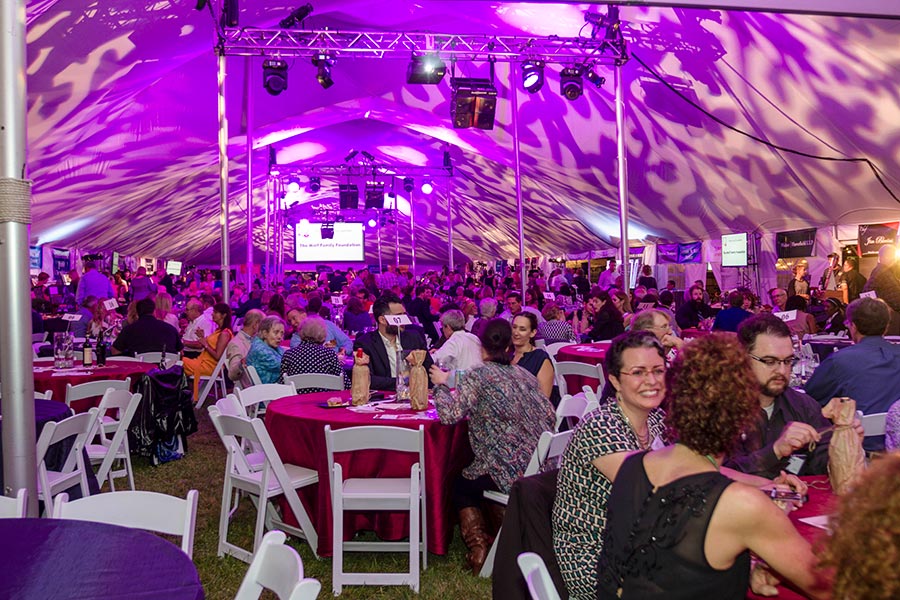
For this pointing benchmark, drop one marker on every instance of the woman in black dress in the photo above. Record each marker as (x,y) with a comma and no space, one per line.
(534,360)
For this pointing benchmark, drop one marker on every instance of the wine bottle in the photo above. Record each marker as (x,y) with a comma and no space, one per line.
(87,354)
(101,351)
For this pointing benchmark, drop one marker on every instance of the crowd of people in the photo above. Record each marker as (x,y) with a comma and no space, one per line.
(712,422)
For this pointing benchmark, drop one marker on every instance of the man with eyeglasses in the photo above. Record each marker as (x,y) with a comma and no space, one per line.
(789,433)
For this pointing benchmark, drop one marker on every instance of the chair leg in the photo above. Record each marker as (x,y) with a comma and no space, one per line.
(224,517)
(260,521)
(415,541)
(337,539)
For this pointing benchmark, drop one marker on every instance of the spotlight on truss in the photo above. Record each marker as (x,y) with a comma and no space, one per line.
(533,76)
(427,69)
(408,184)
(571,84)
(275,75)
(473,103)
(324,62)
(592,77)
(296,17)
(315,184)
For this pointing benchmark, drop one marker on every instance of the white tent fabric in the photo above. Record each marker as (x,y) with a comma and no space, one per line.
(122,127)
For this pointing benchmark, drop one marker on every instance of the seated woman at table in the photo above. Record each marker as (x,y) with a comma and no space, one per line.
(555,328)
(506,416)
(676,526)
(600,320)
(525,355)
(635,364)
(356,318)
(659,323)
(311,356)
(163,310)
(865,542)
(266,352)
(103,320)
(804,322)
(213,347)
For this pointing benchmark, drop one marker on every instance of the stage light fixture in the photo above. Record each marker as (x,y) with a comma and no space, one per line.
(296,16)
(315,184)
(348,196)
(473,102)
(275,75)
(327,231)
(592,77)
(533,76)
(375,195)
(428,69)
(427,188)
(372,223)
(571,84)
(230,11)
(324,62)
(293,185)
(408,184)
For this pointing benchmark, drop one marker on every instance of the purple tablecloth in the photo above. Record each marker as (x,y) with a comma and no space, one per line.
(49,559)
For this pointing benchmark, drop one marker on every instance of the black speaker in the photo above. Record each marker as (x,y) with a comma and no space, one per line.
(349,196)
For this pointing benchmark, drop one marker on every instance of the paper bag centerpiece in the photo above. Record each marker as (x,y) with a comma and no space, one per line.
(360,378)
(418,380)
(846,458)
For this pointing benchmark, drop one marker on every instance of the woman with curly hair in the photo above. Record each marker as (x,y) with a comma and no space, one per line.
(865,546)
(676,526)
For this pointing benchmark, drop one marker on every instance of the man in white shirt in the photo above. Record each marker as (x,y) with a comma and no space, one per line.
(198,329)
(461,347)
(608,277)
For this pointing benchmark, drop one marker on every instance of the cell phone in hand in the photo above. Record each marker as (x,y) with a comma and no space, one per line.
(789,496)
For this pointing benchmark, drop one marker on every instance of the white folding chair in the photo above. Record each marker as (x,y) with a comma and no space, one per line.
(550,448)
(553,349)
(253,453)
(38,338)
(540,585)
(570,409)
(395,494)
(48,395)
(216,379)
(156,357)
(73,471)
(254,397)
(125,404)
(150,511)
(124,358)
(570,367)
(273,479)
(92,389)
(253,375)
(14,508)
(304,381)
(277,567)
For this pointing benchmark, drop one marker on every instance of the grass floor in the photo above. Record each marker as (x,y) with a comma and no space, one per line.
(202,469)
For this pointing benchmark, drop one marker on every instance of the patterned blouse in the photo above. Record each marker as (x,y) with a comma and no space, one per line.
(579,512)
(309,357)
(556,331)
(266,360)
(507,414)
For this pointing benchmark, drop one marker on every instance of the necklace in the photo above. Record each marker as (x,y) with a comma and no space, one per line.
(708,457)
(642,440)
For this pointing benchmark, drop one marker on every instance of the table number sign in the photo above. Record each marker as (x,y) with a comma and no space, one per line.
(870,294)
(71,317)
(788,315)
(549,296)
(646,305)
(398,319)
(110,304)
(337,301)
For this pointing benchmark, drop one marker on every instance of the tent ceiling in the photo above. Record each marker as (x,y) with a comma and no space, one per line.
(122,127)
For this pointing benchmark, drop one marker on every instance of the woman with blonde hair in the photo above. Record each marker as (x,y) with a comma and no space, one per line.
(163,310)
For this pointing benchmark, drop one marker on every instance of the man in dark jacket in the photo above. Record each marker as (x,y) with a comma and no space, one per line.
(147,334)
(885,282)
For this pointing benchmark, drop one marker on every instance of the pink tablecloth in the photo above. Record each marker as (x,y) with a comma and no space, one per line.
(51,379)
(297,425)
(820,503)
(591,354)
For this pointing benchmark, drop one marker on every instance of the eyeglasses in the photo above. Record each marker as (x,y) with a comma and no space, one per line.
(641,373)
(772,362)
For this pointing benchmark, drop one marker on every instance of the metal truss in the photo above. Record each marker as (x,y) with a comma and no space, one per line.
(402,44)
(373,172)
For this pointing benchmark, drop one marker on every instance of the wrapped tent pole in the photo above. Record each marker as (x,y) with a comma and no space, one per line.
(450,222)
(248,71)
(623,174)
(16,366)
(412,235)
(518,167)
(223,176)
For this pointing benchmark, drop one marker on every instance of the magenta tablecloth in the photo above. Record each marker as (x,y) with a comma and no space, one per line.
(296,425)
(115,369)
(820,502)
(48,559)
(591,354)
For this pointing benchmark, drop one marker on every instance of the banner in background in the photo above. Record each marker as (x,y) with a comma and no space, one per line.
(679,253)
(795,244)
(873,237)
(61,263)
(35,259)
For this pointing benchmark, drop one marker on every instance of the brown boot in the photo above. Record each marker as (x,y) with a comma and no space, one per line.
(495,513)
(475,536)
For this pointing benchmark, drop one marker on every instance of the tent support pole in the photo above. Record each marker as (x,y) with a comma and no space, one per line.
(623,174)
(16,367)
(223,177)
(412,234)
(248,76)
(450,222)
(519,208)
(397,232)
(270,192)
(378,233)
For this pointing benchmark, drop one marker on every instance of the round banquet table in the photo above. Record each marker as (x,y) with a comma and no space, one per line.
(48,378)
(821,501)
(297,427)
(51,559)
(590,354)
